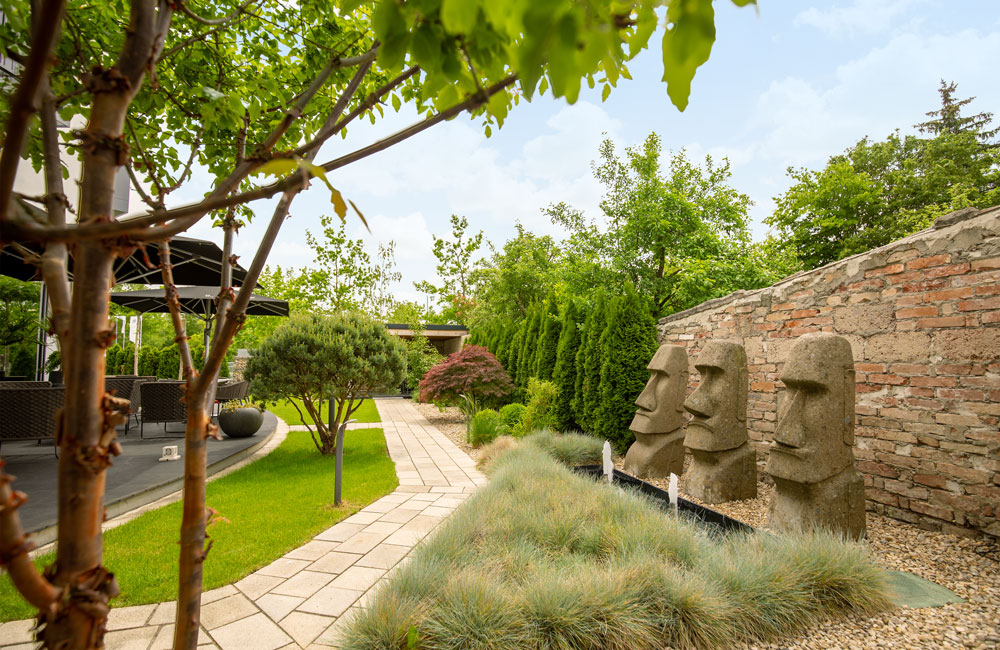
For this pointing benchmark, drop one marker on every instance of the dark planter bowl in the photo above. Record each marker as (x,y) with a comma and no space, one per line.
(241,423)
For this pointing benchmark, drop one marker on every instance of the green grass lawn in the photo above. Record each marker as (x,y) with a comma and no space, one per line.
(271,507)
(284,410)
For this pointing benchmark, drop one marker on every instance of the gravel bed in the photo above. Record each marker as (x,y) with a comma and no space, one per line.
(451,423)
(948,560)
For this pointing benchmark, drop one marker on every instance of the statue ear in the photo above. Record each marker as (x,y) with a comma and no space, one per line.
(742,392)
(682,387)
(849,391)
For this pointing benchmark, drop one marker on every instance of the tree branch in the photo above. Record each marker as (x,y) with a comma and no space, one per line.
(222,22)
(176,318)
(14,549)
(45,29)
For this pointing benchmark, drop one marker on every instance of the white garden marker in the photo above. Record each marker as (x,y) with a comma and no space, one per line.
(169,453)
(609,467)
(672,491)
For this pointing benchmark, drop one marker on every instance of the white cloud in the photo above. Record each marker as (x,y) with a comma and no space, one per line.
(859,17)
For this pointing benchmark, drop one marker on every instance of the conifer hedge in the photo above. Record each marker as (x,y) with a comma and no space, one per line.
(588,366)
(564,374)
(548,342)
(626,346)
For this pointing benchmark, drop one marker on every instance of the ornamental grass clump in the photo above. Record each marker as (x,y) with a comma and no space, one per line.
(485,427)
(543,558)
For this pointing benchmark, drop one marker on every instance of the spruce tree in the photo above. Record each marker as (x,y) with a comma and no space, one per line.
(548,341)
(564,374)
(589,365)
(529,345)
(627,345)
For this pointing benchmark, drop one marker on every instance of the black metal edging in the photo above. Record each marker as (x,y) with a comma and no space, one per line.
(701,513)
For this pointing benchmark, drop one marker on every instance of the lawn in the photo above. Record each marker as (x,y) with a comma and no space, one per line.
(284,410)
(543,558)
(270,507)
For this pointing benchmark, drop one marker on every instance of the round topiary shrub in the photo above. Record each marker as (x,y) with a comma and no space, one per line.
(511,414)
(487,425)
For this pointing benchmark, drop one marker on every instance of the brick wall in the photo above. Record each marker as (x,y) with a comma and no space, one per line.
(923,318)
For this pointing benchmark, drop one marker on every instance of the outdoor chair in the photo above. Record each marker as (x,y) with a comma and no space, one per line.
(135,399)
(119,385)
(162,401)
(29,413)
(24,384)
(233,391)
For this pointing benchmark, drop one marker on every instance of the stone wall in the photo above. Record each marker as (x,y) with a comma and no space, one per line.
(923,318)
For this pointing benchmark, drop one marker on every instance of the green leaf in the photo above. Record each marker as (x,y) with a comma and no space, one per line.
(411,637)
(211,93)
(459,16)
(605,93)
(278,167)
(396,102)
(686,45)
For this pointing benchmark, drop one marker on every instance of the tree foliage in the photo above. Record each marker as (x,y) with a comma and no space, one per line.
(317,358)
(626,346)
(548,339)
(564,373)
(879,191)
(472,371)
(18,315)
(455,264)
(587,396)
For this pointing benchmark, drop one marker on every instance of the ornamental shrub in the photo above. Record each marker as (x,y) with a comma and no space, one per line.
(627,345)
(588,366)
(472,371)
(511,414)
(486,426)
(149,358)
(168,364)
(564,374)
(548,341)
(538,412)
(315,358)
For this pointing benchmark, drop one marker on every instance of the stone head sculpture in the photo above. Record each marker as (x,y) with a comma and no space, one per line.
(814,438)
(661,402)
(718,407)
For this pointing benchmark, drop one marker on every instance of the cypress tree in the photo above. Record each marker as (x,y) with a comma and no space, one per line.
(548,341)
(529,345)
(627,345)
(589,365)
(564,374)
(514,354)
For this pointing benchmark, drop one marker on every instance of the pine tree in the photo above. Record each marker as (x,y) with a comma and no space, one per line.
(627,345)
(548,341)
(589,365)
(564,374)
(529,345)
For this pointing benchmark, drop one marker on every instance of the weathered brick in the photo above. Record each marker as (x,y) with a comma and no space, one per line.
(904,278)
(930,480)
(966,474)
(925,262)
(944,321)
(894,380)
(916,312)
(905,489)
(954,419)
(934,511)
(880,469)
(967,394)
(991,263)
(882,496)
(991,317)
(948,294)
(944,271)
(978,305)
(974,344)
(908,369)
(889,269)
(933,381)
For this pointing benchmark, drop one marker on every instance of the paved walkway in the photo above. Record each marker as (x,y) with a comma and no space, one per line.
(300,600)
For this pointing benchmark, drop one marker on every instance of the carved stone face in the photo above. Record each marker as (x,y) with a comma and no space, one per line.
(660,403)
(718,407)
(814,438)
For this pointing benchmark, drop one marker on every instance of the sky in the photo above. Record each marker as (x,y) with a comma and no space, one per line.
(787,85)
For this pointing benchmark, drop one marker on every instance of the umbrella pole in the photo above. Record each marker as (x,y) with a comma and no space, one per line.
(138,342)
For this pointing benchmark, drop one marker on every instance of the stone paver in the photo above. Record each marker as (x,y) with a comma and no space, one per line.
(302,600)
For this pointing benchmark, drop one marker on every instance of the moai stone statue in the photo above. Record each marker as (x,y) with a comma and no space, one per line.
(658,424)
(723,463)
(812,456)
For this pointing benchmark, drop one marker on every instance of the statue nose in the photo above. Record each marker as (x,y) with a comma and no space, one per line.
(647,398)
(697,405)
(790,430)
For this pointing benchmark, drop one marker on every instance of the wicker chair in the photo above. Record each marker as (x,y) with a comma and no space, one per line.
(29,413)
(162,401)
(24,384)
(236,390)
(120,384)
(135,400)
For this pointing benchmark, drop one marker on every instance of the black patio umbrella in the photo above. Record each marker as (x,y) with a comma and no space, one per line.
(195,262)
(199,301)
